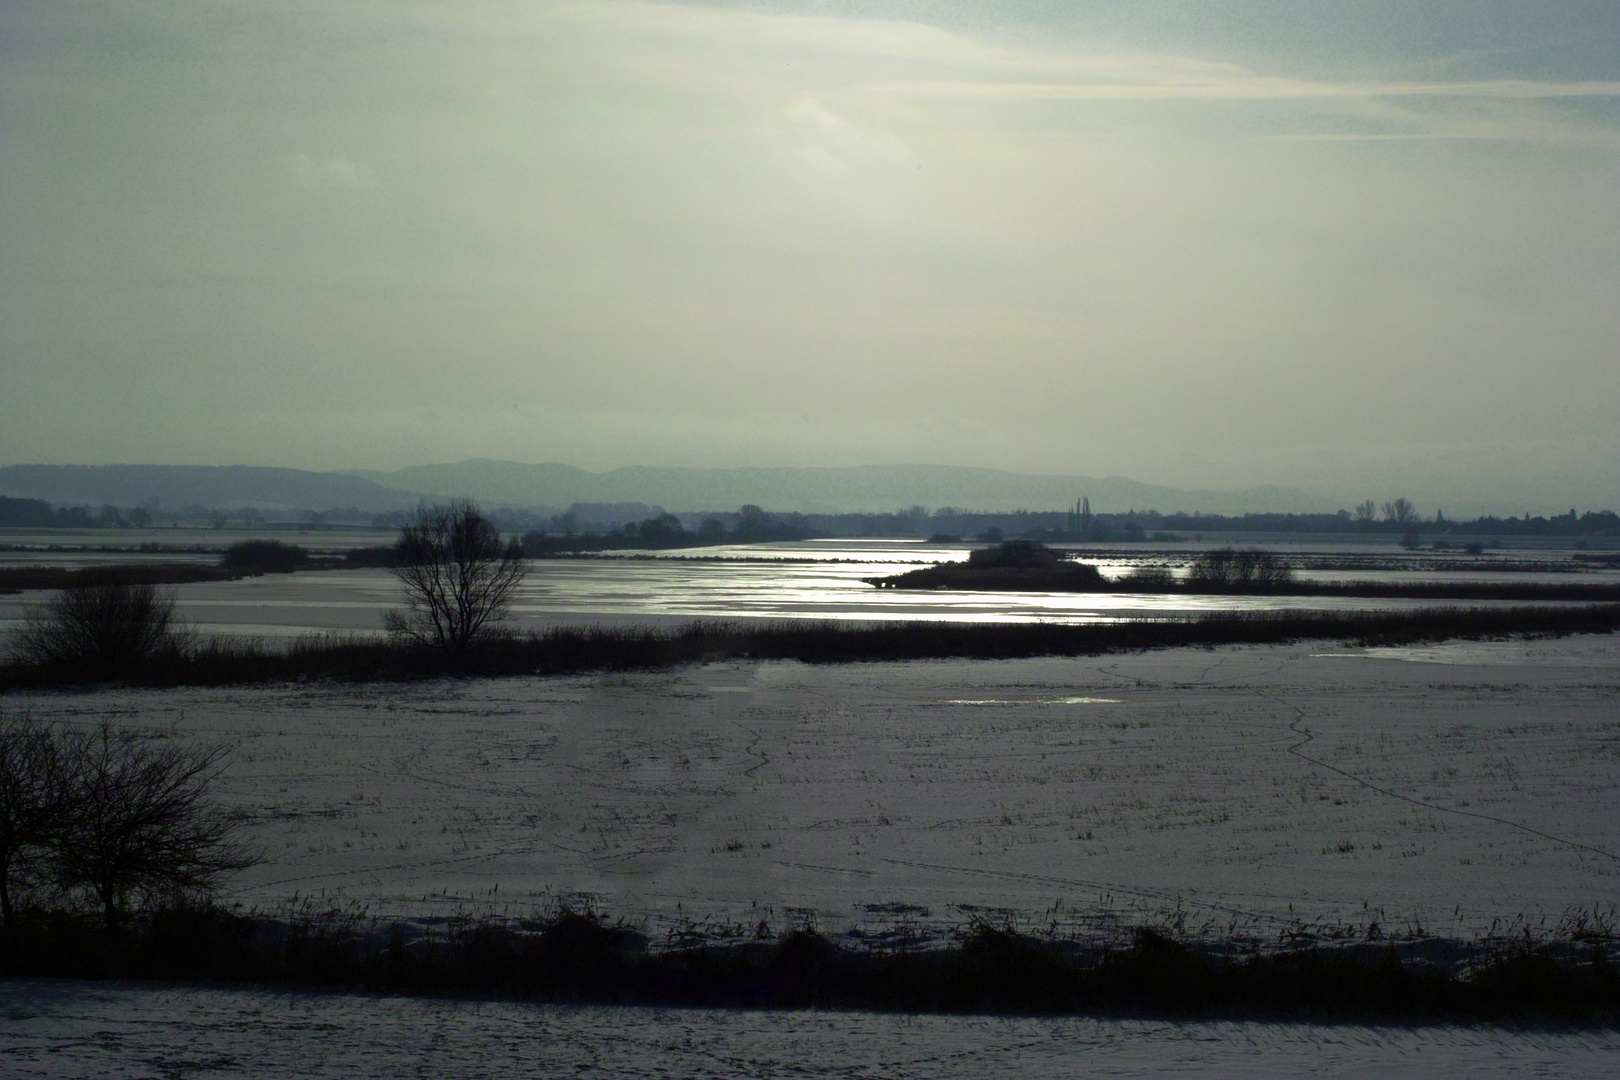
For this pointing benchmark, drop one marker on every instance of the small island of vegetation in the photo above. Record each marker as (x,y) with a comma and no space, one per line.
(1026,565)
(1015,565)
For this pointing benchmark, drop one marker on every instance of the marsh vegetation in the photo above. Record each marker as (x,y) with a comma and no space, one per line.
(581,956)
(102,623)
(1026,566)
(571,650)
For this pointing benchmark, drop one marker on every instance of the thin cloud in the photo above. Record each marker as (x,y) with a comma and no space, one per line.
(615,233)
(314,172)
(1250,88)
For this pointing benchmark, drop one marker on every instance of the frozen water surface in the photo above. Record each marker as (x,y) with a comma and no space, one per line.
(63,1029)
(814,579)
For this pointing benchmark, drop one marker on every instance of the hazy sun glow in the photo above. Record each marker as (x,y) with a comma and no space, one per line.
(371,235)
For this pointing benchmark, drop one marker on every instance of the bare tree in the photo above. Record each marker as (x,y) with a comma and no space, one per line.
(142,823)
(457,575)
(1366,510)
(105,622)
(1400,511)
(32,802)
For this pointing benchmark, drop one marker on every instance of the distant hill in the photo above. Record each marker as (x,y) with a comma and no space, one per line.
(865,487)
(221,487)
(510,483)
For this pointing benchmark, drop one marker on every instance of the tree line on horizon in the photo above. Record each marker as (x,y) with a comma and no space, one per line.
(582,527)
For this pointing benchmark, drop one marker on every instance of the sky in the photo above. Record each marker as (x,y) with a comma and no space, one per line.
(1364,248)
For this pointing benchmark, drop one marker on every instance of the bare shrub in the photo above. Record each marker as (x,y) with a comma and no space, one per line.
(142,824)
(1146,578)
(33,798)
(111,815)
(264,557)
(457,576)
(1250,568)
(106,623)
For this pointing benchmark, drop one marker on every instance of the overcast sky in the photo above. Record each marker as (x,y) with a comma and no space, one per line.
(1342,246)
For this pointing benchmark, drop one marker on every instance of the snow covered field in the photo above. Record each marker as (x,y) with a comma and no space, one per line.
(1443,786)
(1448,785)
(65,1029)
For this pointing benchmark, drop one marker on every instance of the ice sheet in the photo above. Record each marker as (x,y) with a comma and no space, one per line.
(669,590)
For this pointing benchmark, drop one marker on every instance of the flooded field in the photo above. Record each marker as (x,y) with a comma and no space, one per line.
(1432,790)
(813,580)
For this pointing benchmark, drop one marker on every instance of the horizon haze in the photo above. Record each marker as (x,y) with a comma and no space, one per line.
(1356,250)
(553,485)
(862,489)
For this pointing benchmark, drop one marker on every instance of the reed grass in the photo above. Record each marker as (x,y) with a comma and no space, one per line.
(14,579)
(575,650)
(581,956)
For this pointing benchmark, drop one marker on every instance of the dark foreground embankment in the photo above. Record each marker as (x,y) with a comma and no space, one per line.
(573,650)
(580,957)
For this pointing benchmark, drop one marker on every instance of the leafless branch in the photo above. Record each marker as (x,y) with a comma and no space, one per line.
(109,623)
(457,577)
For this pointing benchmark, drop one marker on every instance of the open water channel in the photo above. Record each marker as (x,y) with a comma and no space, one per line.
(818,579)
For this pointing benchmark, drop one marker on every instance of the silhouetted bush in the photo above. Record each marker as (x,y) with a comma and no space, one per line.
(264,557)
(141,825)
(369,557)
(1250,569)
(110,815)
(33,804)
(1015,565)
(1022,554)
(100,625)
(1149,579)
